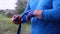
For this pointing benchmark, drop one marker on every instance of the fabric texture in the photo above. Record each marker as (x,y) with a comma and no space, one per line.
(50,21)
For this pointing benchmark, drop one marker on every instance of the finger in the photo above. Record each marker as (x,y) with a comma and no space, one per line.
(14,17)
(18,16)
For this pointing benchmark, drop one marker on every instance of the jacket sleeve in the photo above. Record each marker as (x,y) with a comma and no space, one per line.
(52,14)
(25,11)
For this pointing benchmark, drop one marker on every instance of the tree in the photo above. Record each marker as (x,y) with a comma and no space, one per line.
(21,5)
(1,11)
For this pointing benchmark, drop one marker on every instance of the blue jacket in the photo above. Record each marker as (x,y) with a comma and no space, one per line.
(50,21)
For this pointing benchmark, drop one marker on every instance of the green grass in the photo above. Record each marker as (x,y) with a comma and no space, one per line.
(8,27)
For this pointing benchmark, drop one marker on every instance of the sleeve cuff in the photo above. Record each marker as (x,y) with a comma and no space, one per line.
(44,15)
(23,18)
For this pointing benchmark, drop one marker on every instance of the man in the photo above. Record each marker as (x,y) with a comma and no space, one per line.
(44,15)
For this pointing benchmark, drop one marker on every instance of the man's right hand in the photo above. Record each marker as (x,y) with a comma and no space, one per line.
(16,19)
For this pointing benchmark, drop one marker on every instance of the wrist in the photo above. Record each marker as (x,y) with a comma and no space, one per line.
(30,14)
(24,19)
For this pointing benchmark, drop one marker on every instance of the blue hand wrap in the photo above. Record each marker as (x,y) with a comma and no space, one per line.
(30,14)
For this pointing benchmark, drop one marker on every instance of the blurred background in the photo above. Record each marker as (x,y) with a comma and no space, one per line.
(8,8)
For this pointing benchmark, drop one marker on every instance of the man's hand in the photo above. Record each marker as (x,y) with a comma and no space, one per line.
(16,19)
(32,13)
(37,13)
